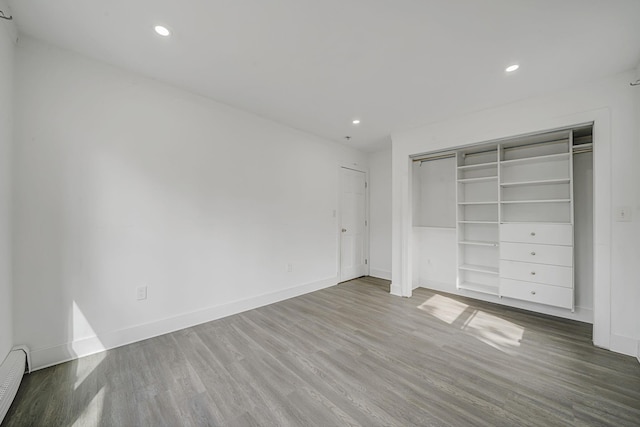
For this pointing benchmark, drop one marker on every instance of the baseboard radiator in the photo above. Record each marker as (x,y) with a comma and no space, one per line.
(11,372)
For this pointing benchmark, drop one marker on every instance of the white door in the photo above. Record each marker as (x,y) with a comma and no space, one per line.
(353,227)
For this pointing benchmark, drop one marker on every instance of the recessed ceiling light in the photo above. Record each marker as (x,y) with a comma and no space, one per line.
(512,68)
(356,122)
(163,31)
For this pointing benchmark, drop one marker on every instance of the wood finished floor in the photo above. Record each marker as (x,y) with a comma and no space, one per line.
(348,355)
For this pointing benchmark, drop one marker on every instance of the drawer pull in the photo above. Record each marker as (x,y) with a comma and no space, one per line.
(533,273)
(533,292)
(533,233)
(533,253)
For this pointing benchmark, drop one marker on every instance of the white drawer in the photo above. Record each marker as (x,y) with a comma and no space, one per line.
(540,254)
(538,273)
(546,234)
(536,292)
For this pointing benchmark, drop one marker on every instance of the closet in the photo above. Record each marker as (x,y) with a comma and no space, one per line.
(505,211)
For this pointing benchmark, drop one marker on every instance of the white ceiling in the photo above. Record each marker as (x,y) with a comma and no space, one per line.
(317,64)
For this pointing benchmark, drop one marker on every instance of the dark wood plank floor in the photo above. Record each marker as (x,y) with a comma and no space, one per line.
(348,355)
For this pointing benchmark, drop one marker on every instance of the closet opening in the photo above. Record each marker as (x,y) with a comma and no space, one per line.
(508,221)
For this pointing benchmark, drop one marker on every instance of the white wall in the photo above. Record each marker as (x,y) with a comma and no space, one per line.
(123,182)
(7,39)
(380,214)
(612,104)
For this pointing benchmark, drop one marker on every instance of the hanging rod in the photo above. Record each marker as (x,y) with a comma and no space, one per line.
(3,16)
(436,157)
(636,83)
(583,148)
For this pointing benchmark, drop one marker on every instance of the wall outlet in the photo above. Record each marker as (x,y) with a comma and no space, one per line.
(289,268)
(624,214)
(141,293)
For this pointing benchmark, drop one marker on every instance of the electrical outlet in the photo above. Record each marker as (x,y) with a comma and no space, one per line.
(289,268)
(623,214)
(141,293)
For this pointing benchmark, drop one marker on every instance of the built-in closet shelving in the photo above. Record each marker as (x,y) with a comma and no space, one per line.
(536,226)
(515,219)
(477,220)
(513,231)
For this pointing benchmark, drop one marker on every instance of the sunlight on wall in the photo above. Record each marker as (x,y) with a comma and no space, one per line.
(492,330)
(81,333)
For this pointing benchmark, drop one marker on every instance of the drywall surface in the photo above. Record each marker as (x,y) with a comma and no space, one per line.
(123,182)
(380,214)
(7,40)
(612,104)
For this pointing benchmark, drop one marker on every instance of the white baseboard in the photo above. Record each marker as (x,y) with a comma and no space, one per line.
(45,357)
(625,345)
(395,290)
(381,274)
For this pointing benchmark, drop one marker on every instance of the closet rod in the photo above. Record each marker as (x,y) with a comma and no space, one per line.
(436,157)
(582,148)
(555,141)
(490,150)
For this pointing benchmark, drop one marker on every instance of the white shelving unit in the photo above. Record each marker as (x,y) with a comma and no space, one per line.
(477,220)
(536,226)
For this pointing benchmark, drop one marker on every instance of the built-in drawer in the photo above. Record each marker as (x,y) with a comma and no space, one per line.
(536,292)
(540,254)
(546,234)
(538,273)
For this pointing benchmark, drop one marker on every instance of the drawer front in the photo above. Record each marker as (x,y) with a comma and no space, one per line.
(538,273)
(546,234)
(536,292)
(539,254)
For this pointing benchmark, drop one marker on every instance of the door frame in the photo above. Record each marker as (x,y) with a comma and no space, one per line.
(338,222)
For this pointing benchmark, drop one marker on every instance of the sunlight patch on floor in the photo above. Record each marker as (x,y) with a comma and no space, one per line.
(490,329)
(494,331)
(445,309)
(92,413)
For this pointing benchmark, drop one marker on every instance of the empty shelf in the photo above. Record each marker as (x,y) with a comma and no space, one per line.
(478,243)
(479,268)
(477,287)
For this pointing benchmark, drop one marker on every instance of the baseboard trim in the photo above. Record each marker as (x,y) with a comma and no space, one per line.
(380,274)
(45,357)
(395,290)
(625,345)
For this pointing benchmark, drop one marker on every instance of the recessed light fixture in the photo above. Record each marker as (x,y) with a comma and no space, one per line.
(163,31)
(512,68)
(356,122)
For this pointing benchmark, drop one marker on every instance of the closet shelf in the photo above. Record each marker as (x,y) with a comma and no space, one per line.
(477,222)
(478,166)
(477,287)
(478,243)
(479,268)
(536,222)
(488,202)
(536,159)
(537,182)
(475,180)
(511,202)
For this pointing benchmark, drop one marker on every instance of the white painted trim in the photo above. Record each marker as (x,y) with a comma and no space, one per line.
(624,345)
(395,289)
(45,357)
(381,274)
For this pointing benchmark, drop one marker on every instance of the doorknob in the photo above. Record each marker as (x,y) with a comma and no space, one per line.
(344,230)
